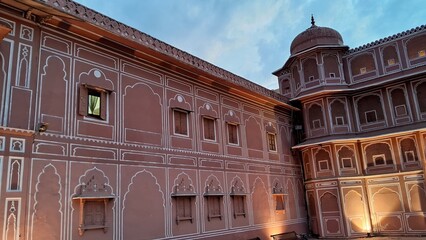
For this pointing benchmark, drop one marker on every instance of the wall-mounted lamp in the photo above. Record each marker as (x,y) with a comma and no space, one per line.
(42,127)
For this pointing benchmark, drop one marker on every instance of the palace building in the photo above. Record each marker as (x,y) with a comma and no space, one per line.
(109,133)
(364,121)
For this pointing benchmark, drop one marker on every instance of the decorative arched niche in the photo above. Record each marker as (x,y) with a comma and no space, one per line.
(322,159)
(310,70)
(363,66)
(93,195)
(213,195)
(307,164)
(338,113)
(331,66)
(416,50)
(347,159)
(391,58)
(420,98)
(296,77)
(238,196)
(279,195)
(409,153)
(315,119)
(400,106)
(184,197)
(378,156)
(369,109)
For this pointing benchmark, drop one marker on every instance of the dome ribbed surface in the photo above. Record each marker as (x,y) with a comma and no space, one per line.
(315,36)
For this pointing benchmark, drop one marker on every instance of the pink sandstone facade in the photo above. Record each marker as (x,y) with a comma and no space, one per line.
(108,133)
(363,144)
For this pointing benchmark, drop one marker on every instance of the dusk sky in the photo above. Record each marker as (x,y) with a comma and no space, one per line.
(252,38)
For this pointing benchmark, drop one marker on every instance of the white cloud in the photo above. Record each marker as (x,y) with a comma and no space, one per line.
(252,38)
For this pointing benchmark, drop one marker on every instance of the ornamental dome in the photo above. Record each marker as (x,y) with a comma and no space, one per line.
(315,36)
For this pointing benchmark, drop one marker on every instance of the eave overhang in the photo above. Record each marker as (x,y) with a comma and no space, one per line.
(78,19)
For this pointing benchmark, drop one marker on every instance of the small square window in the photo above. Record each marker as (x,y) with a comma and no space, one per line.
(232,133)
(332,75)
(391,61)
(311,78)
(316,124)
(272,143)
(347,163)
(422,53)
(323,165)
(379,159)
(370,116)
(409,156)
(363,70)
(400,110)
(180,119)
(209,129)
(339,120)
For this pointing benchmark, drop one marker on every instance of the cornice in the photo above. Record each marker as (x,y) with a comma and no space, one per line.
(387,39)
(119,29)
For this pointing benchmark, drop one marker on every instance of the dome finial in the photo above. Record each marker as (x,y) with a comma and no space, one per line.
(312,20)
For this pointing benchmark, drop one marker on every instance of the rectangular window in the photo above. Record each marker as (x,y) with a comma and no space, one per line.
(370,116)
(323,165)
(180,119)
(94,213)
(183,209)
(209,129)
(93,102)
(213,207)
(332,75)
(422,53)
(347,163)
(400,110)
(409,156)
(339,120)
(363,70)
(272,143)
(279,203)
(238,203)
(232,133)
(379,159)
(316,123)
(311,78)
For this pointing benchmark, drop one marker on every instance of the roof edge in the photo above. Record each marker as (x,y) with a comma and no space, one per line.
(122,30)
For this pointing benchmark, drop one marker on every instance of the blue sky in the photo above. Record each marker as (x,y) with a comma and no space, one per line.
(252,38)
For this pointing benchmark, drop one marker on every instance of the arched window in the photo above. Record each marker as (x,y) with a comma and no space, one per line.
(310,70)
(331,66)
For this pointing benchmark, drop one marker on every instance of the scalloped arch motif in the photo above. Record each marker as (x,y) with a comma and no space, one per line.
(212,184)
(95,179)
(45,206)
(237,185)
(183,183)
